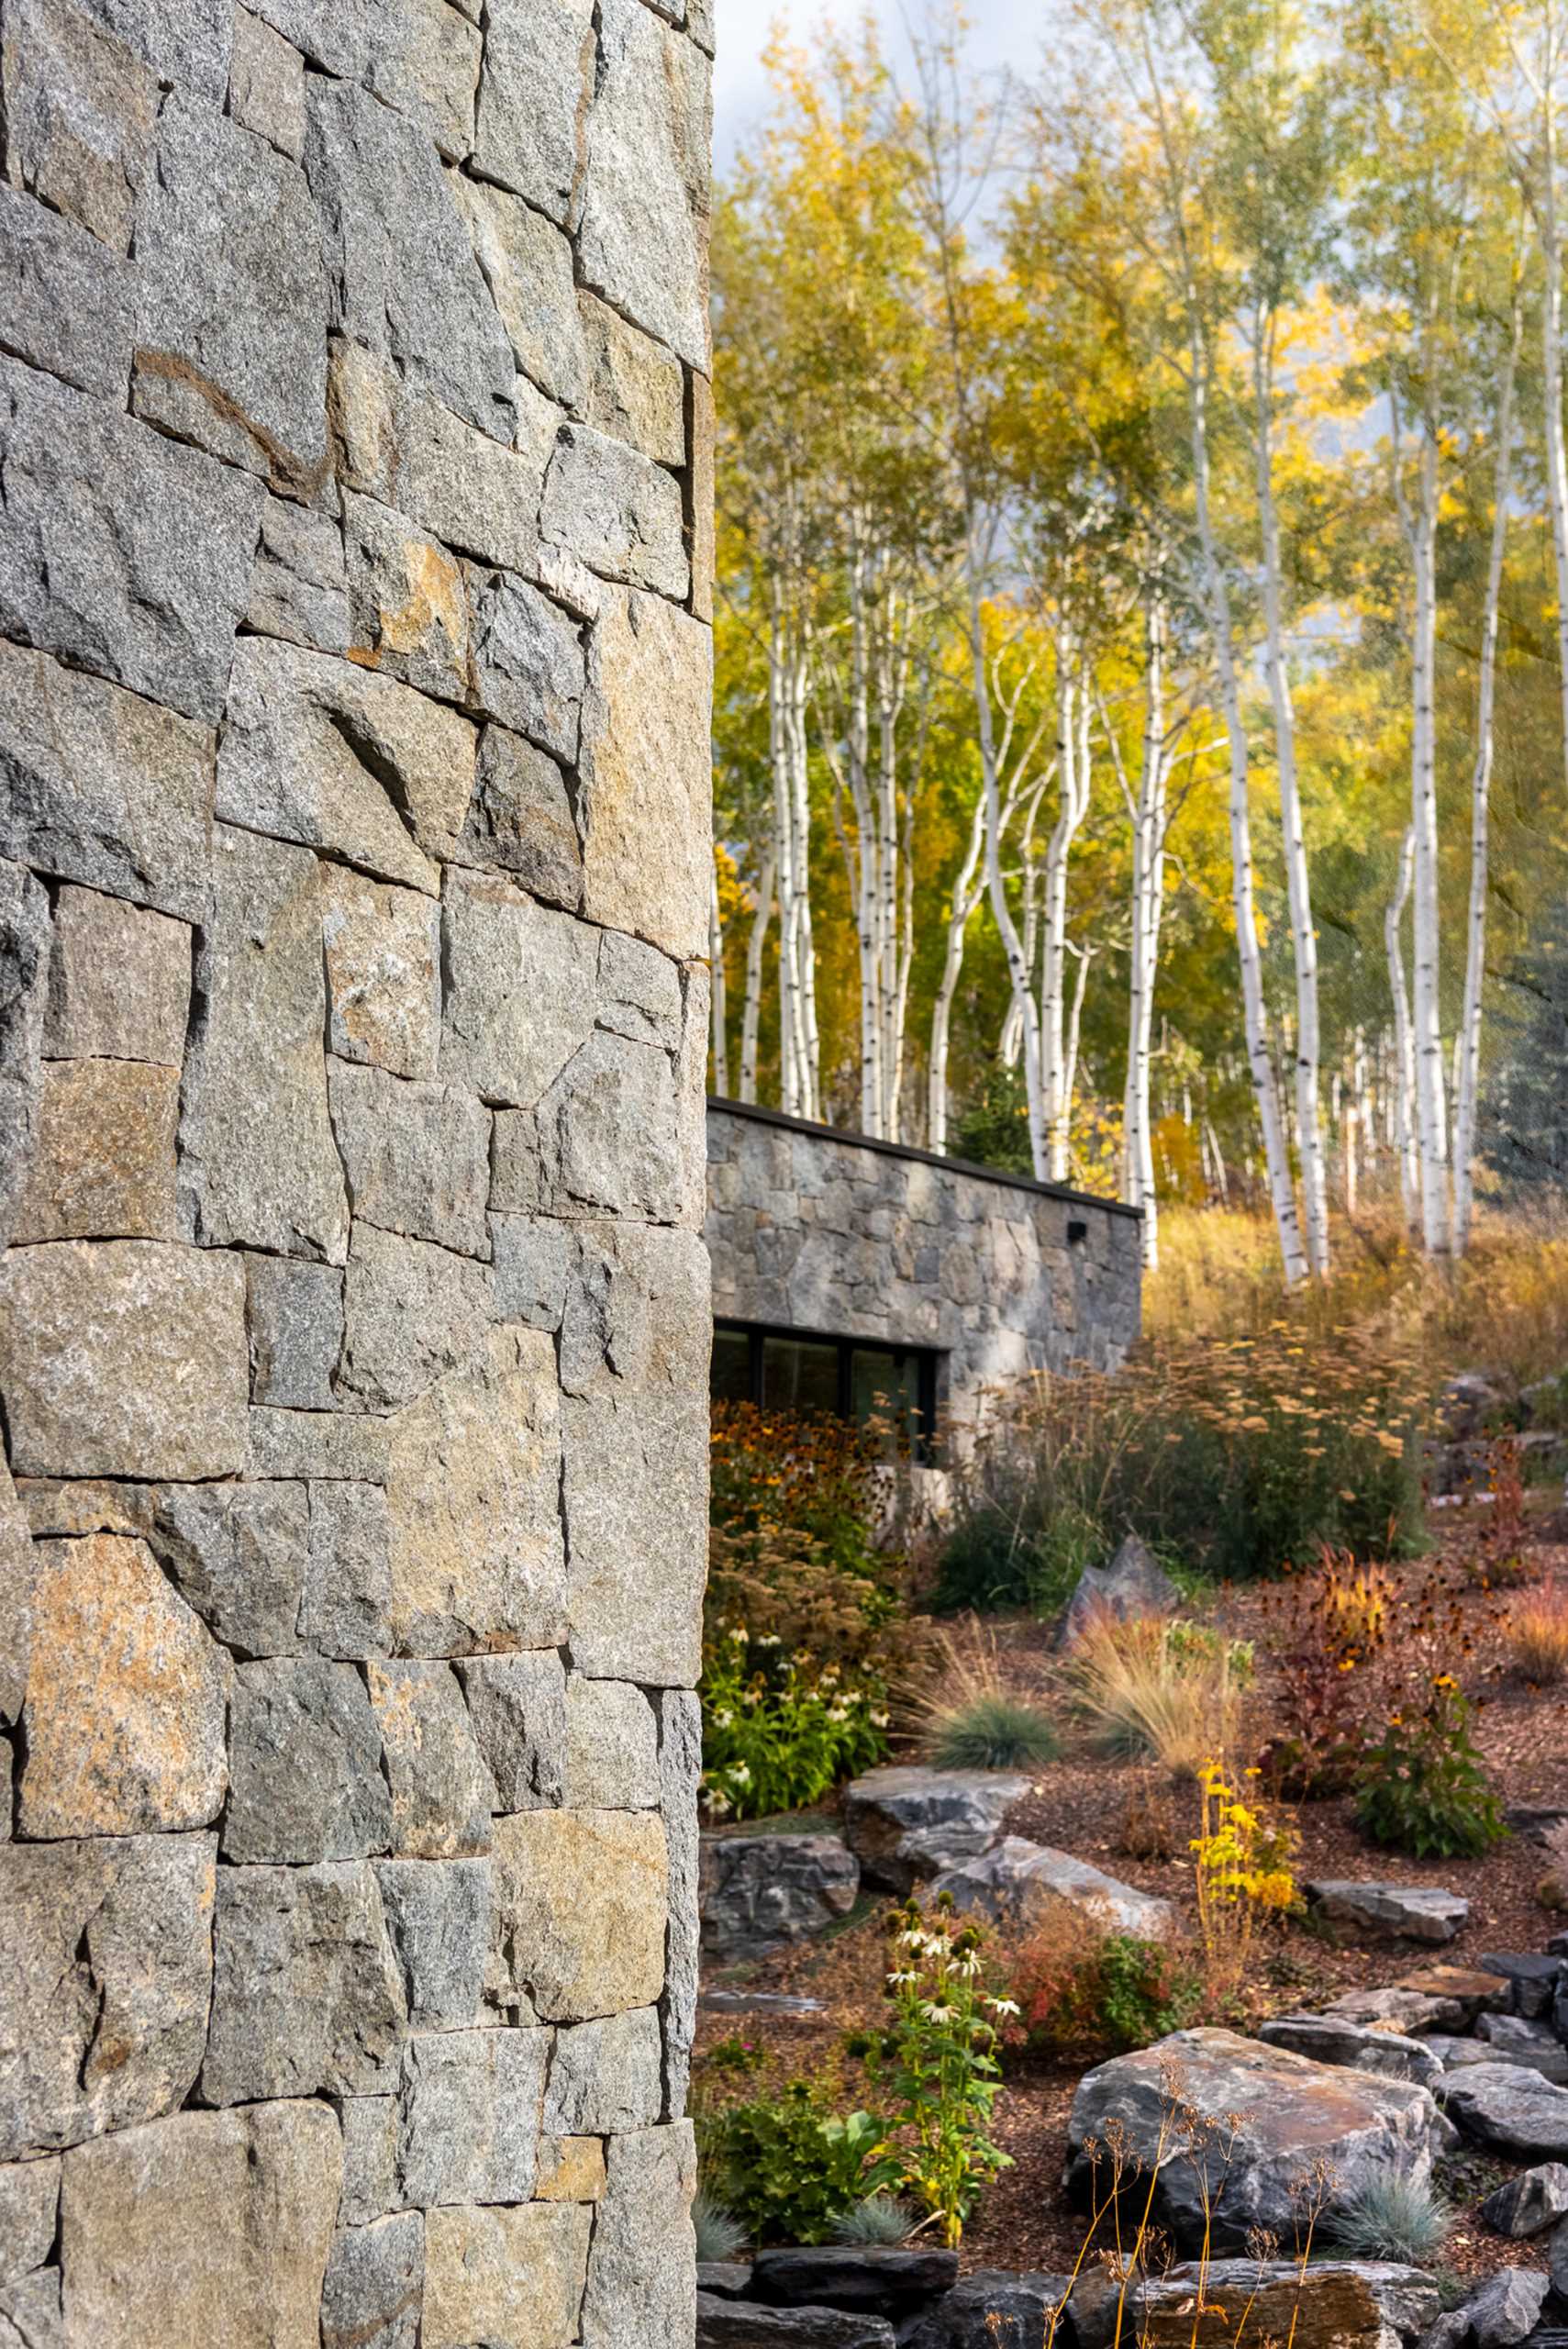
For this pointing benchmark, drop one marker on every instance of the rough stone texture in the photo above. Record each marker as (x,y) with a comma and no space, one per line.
(981,1266)
(210,2226)
(105,1975)
(1338,2301)
(1133,1585)
(1504,2310)
(354,733)
(992,2310)
(884,2280)
(1511,2108)
(884,1805)
(127,1693)
(724,2323)
(1515,2040)
(1279,2112)
(1021,1884)
(1528,2204)
(1416,1912)
(1326,2040)
(758,1891)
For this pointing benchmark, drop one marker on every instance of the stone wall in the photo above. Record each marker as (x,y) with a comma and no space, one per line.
(821,1231)
(354,692)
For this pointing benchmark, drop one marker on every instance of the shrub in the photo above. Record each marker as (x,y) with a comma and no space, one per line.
(778,1731)
(1337,1621)
(816,1476)
(880,2219)
(1244,1867)
(1423,1788)
(789,2168)
(1538,1634)
(720,2236)
(1145,1691)
(992,1733)
(1082,1992)
(939,2060)
(1399,2219)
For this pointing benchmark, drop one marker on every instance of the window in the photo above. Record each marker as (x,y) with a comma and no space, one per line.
(789,1370)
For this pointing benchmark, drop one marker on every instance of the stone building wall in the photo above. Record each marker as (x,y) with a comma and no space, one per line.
(355,444)
(829,1233)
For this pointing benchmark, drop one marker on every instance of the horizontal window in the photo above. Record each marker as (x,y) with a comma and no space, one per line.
(893,1388)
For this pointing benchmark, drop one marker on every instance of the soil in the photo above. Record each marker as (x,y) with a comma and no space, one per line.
(1079,1803)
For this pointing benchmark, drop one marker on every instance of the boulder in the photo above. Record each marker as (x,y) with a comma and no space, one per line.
(757,1891)
(1511,2109)
(1133,1585)
(1460,2055)
(1416,1912)
(927,1852)
(992,2310)
(758,2002)
(743,2324)
(1335,2304)
(876,2280)
(1279,2113)
(1532,1979)
(1532,2043)
(1019,1883)
(1530,2203)
(727,2279)
(1476,1993)
(1327,2039)
(885,1806)
(1499,2315)
(1414,2012)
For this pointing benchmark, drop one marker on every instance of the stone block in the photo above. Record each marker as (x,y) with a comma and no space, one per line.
(212,2226)
(370,2157)
(518,1706)
(440,1797)
(639,992)
(680,1769)
(638,1320)
(126,1698)
(438,1913)
(403,277)
(409,610)
(606,2076)
(527,662)
(101,787)
(323,753)
(423,59)
(412,1312)
(81,114)
(521,821)
(643,242)
(119,982)
(236,1552)
(293,1313)
(299,588)
(539,65)
(646,784)
(231,340)
(570,2169)
(533,1262)
(307,1782)
(125,552)
(644,2252)
(187,41)
(374,2284)
(473,1479)
(580,1908)
(345,1609)
(637,387)
(30,2201)
(609,1134)
(65,304)
(468,2116)
(520,985)
(612,1747)
(384,980)
(306,1996)
(318,1443)
(636,1498)
(124,1357)
(266,84)
(105,1975)
(102,1164)
(703,432)
(512,2279)
(617,511)
(416,1156)
(527,266)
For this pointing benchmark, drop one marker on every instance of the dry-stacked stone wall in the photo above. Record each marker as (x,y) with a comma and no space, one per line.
(355,510)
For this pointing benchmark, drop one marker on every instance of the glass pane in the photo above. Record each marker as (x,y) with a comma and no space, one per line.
(885,1388)
(731,1374)
(798,1376)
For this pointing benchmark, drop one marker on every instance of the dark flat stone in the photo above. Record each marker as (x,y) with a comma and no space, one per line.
(889,2280)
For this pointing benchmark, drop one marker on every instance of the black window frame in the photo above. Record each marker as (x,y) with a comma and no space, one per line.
(927,1362)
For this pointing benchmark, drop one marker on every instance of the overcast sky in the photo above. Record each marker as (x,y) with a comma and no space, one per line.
(1005,32)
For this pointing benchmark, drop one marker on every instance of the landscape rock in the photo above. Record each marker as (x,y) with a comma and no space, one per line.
(1284,2111)
(758,1891)
(1503,2312)
(643,2244)
(606,2076)
(876,2280)
(105,1978)
(374,2283)
(1532,2043)
(1528,2204)
(1457,2054)
(510,2278)
(730,2279)
(885,1805)
(307,1769)
(439,1919)
(990,2310)
(119,981)
(1532,1980)
(724,2323)
(1416,1912)
(1021,1884)
(468,2116)
(1412,2012)
(1474,1993)
(1511,2109)
(383,990)
(518,1706)
(1132,1586)
(139,2270)
(581,1905)
(306,1996)
(1335,2302)
(1326,2039)
(440,1793)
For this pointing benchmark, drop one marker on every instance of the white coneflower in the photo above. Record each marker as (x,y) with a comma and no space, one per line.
(935,2012)
(1004,2006)
(726,1720)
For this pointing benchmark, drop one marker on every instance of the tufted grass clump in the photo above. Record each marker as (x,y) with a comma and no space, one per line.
(1401,2218)
(992,1733)
(880,2219)
(719,2233)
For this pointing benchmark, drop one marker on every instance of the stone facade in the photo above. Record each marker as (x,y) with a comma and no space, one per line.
(829,1234)
(354,686)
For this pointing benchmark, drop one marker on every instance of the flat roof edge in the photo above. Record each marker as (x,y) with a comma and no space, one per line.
(969,1166)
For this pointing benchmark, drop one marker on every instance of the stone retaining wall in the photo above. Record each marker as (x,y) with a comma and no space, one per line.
(355,556)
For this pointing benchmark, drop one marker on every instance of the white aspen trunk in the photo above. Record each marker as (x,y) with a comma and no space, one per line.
(779,747)
(1282,1189)
(1402,1092)
(1304,935)
(1085,956)
(1551,363)
(718,1013)
(1010,1043)
(1222,1178)
(889,869)
(967,895)
(1431,1099)
(1467,1082)
(1072,807)
(808,1047)
(751,1008)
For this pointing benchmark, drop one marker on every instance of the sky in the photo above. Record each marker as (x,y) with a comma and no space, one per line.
(1005,32)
